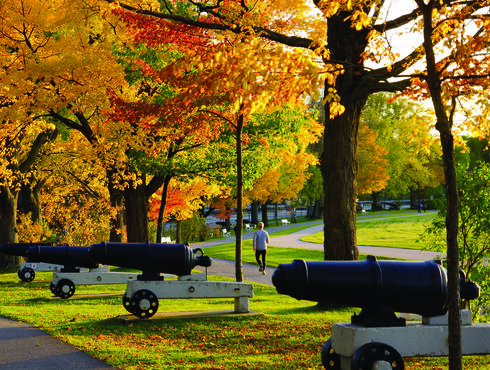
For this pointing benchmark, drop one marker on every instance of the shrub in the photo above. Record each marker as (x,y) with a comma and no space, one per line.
(194,229)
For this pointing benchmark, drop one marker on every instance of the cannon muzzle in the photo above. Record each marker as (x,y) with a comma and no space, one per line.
(409,287)
(19,249)
(68,256)
(177,259)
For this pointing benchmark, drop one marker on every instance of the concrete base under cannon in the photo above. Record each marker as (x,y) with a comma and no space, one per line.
(355,347)
(141,297)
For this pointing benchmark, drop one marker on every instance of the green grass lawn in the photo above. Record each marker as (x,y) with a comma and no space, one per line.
(288,334)
(396,231)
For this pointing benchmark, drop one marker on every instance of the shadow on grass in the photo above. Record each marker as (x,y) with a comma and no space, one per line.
(95,297)
(11,284)
(120,323)
(316,308)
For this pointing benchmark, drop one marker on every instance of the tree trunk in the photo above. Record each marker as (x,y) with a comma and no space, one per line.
(265,216)
(239,198)
(413,199)
(275,214)
(376,203)
(339,158)
(443,125)
(318,209)
(161,211)
(116,221)
(339,170)
(29,200)
(136,203)
(8,230)
(452,214)
(178,231)
(255,212)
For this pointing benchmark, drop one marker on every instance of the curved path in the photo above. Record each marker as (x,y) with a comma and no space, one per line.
(251,273)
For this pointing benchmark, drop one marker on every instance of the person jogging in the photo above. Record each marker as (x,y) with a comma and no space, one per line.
(260,242)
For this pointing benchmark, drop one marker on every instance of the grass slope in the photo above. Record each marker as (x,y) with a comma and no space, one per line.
(397,231)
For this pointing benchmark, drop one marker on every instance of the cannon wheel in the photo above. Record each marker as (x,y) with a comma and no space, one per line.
(52,288)
(26,274)
(330,359)
(369,354)
(65,288)
(143,303)
(126,303)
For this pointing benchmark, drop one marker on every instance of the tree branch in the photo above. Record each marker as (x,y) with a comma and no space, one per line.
(398,22)
(41,139)
(292,41)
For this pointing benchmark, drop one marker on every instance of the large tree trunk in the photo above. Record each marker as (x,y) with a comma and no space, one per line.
(316,210)
(339,158)
(117,221)
(136,200)
(339,170)
(255,212)
(136,213)
(265,216)
(376,201)
(413,199)
(178,231)
(29,200)
(8,230)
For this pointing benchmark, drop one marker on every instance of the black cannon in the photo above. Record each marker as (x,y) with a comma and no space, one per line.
(19,249)
(72,258)
(379,288)
(151,258)
(26,272)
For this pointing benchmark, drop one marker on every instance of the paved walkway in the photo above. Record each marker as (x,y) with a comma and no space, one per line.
(22,346)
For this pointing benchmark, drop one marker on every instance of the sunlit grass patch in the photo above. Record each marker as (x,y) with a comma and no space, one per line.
(396,232)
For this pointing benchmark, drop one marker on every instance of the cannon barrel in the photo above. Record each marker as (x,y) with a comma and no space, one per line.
(68,256)
(19,249)
(409,287)
(177,259)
